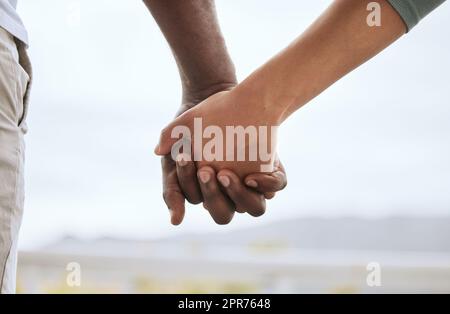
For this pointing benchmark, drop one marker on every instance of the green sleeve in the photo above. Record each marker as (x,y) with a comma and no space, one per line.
(412,11)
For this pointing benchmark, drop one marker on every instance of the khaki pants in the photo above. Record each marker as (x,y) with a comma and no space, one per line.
(15,73)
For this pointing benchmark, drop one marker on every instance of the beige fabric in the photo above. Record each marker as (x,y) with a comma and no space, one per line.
(14,87)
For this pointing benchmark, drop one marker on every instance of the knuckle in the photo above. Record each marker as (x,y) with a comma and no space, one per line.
(166,164)
(166,196)
(186,172)
(166,131)
(212,191)
(284,184)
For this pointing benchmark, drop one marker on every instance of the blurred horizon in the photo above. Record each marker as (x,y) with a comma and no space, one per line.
(291,256)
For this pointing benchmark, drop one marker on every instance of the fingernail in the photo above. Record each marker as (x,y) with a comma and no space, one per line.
(252,183)
(224,180)
(204,176)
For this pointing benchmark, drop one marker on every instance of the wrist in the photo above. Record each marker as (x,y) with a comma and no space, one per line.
(194,95)
(266,97)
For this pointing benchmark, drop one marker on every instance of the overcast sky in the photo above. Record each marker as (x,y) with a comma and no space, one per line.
(374,144)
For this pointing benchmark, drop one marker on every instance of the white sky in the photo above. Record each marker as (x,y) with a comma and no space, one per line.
(375,144)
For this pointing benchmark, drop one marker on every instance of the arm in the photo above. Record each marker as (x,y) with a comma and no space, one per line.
(335,44)
(192,31)
(338,41)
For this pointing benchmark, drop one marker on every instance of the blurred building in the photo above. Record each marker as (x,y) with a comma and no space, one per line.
(296,256)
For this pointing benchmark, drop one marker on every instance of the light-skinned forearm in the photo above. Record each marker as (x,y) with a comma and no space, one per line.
(193,33)
(336,43)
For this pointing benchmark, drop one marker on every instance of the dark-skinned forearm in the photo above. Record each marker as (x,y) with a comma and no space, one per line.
(193,33)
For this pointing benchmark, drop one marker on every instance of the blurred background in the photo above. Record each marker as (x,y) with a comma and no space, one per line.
(368,166)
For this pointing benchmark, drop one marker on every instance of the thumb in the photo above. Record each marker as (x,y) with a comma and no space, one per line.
(170,135)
